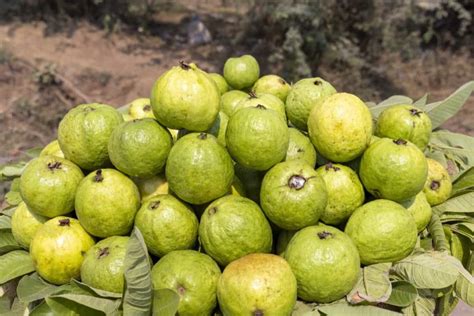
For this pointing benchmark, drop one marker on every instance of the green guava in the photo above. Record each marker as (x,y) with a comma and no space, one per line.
(406,122)
(283,239)
(383,231)
(393,169)
(420,209)
(140,108)
(237,187)
(241,72)
(139,148)
(217,129)
(127,117)
(257,138)
(345,192)
(293,195)
(198,169)
(193,276)
(341,127)
(48,185)
(166,224)
(52,149)
(103,264)
(58,249)
(25,223)
(84,133)
(438,184)
(257,284)
(230,100)
(300,147)
(220,82)
(232,227)
(269,101)
(106,203)
(251,181)
(274,85)
(325,262)
(152,186)
(303,97)
(185,97)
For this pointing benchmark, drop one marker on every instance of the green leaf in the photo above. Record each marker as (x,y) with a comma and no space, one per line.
(14,264)
(96,292)
(393,100)
(5,222)
(305,309)
(4,305)
(464,288)
(454,217)
(403,294)
(341,309)
(104,305)
(165,302)
(11,170)
(138,294)
(429,270)
(421,101)
(423,306)
(436,231)
(8,211)
(373,284)
(464,183)
(32,288)
(42,309)
(64,307)
(13,198)
(18,309)
(459,204)
(33,152)
(7,242)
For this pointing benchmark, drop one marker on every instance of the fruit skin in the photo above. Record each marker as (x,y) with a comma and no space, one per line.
(219,127)
(52,149)
(303,97)
(257,138)
(198,169)
(438,184)
(193,276)
(272,84)
(293,195)
(221,84)
(106,203)
(232,227)
(383,231)
(140,108)
(325,262)
(139,148)
(345,192)
(267,100)
(152,186)
(341,127)
(407,122)
(420,209)
(25,224)
(185,97)
(48,185)
(166,224)
(84,133)
(257,284)
(58,249)
(230,100)
(300,147)
(241,72)
(103,264)
(393,169)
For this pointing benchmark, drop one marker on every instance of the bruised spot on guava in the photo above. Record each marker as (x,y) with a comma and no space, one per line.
(317,82)
(252,95)
(184,65)
(154,205)
(415,112)
(300,150)
(202,136)
(258,312)
(64,222)
(324,235)
(329,166)
(147,108)
(400,141)
(54,165)
(98,176)
(296,182)
(261,107)
(212,211)
(181,289)
(103,252)
(434,185)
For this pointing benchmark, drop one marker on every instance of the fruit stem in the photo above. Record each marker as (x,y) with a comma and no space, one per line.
(296,182)
(329,165)
(202,136)
(103,252)
(154,205)
(324,235)
(64,222)
(258,312)
(252,95)
(98,176)
(400,141)
(415,112)
(184,65)
(434,185)
(261,106)
(212,211)
(147,108)
(54,165)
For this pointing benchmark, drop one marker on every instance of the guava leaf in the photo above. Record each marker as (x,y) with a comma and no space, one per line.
(34,152)
(5,222)
(107,306)
(464,184)
(305,309)
(458,204)
(421,101)
(464,228)
(18,308)
(96,292)
(4,305)
(13,198)
(43,309)
(393,100)
(435,228)
(376,282)
(428,270)
(62,306)
(32,288)
(403,294)
(423,306)
(454,217)
(165,302)
(7,242)
(14,264)
(138,294)
(340,309)
(11,170)
(465,290)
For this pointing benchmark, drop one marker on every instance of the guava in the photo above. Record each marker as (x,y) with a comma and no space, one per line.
(325,262)
(341,127)
(272,84)
(251,180)
(293,195)
(237,187)
(383,231)
(406,122)
(48,185)
(185,97)
(193,276)
(198,169)
(283,239)
(300,147)
(152,186)
(84,133)
(303,97)
(140,108)
(257,137)
(139,148)
(232,227)
(217,129)
(393,169)
(166,224)
(257,284)
(230,100)
(52,149)
(127,117)
(25,223)
(345,192)
(58,249)
(241,72)
(269,101)
(103,264)
(438,184)
(420,209)
(222,85)
(106,203)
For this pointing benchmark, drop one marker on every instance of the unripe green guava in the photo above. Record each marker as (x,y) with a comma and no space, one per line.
(230,100)
(420,209)
(269,101)
(221,84)
(25,224)
(272,84)
(300,147)
(52,149)
(241,72)
(140,108)
(438,184)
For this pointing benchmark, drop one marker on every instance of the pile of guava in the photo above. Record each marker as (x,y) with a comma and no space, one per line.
(241,194)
